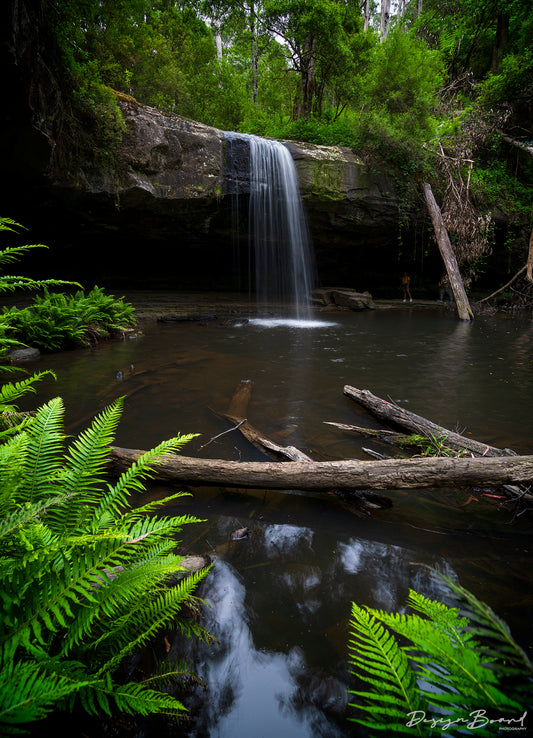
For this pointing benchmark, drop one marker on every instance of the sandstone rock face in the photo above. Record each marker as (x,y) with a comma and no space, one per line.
(165,212)
(162,157)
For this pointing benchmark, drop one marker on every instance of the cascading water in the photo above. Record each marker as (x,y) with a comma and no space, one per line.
(283,261)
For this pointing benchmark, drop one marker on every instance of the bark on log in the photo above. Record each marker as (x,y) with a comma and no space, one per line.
(340,475)
(391,413)
(448,256)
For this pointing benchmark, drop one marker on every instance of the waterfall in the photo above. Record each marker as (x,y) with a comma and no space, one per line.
(281,256)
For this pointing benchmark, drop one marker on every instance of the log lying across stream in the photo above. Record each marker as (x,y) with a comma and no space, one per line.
(484,466)
(349,474)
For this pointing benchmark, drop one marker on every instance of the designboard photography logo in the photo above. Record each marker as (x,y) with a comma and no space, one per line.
(475,720)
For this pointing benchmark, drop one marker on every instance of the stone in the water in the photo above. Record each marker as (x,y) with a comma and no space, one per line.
(239,534)
(25,354)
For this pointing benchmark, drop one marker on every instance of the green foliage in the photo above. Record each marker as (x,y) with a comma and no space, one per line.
(495,186)
(436,667)
(84,575)
(433,444)
(9,283)
(55,321)
(11,420)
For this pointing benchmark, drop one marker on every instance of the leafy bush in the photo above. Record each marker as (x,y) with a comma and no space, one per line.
(55,320)
(11,283)
(84,576)
(450,668)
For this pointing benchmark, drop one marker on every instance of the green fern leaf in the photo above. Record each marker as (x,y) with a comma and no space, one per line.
(131,631)
(12,391)
(85,460)
(132,480)
(44,452)
(381,662)
(485,624)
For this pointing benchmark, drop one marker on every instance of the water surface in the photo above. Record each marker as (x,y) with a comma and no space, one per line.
(280,600)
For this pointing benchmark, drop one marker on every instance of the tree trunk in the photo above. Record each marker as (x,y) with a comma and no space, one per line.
(502,36)
(529,271)
(335,475)
(391,413)
(308,76)
(385,18)
(253,42)
(366,15)
(448,256)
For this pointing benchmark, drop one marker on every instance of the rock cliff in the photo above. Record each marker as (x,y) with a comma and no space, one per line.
(161,210)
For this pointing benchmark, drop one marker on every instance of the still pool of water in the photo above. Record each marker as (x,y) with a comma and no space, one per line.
(280,599)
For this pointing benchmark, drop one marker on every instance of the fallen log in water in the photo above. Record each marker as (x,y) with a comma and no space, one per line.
(350,474)
(391,413)
(236,414)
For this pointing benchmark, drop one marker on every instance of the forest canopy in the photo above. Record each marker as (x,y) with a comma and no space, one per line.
(337,70)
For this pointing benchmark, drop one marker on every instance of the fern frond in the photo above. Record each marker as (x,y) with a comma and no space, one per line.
(445,618)
(85,460)
(132,480)
(8,224)
(464,667)
(486,625)
(138,513)
(11,466)
(166,674)
(129,566)
(130,698)
(136,628)
(28,692)
(11,283)
(14,253)
(43,462)
(381,662)
(12,391)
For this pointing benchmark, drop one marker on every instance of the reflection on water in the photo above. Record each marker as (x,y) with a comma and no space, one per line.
(279,601)
(249,688)
(278,605)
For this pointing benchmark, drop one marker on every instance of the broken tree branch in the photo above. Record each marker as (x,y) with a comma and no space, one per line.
(388,436)
(510,281)
(391,413)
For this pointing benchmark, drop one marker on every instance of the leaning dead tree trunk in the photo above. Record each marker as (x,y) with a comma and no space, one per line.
(341,475)
(529,264)
(448,256)
(391,413)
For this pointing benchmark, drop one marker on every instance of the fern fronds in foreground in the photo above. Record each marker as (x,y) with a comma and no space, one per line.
(84,576)
(443,670)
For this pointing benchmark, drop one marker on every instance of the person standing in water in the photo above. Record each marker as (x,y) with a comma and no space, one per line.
(406,284)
